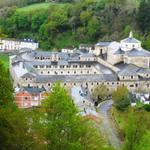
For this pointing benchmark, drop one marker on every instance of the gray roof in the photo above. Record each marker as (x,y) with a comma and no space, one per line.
(40,63)
(121,65)
(144,71)
(62,62)
(138,53)
(130,40)
(119,51)
(16,59)
(76,78)
(103,44)
(87,55)
(28,75)
(130,70)
(34,90)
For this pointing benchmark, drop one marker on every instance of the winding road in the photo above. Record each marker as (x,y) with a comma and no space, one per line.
(106,125)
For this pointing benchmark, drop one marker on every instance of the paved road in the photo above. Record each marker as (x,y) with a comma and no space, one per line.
(106,126)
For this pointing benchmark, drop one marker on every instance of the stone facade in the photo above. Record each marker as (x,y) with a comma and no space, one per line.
(113,67)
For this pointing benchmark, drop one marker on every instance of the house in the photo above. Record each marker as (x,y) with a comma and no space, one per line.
(101,48)
(30,96)
(88,47)
(9,45)
(68,49)
(143,98)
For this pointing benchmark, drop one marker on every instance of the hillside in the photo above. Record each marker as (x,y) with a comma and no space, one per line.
(39,6)
(56,25)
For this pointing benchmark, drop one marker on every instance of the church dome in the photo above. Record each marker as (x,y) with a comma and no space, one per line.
(130,43)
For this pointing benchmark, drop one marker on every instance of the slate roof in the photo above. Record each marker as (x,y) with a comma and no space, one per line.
(119,51)
(62,62)
(76,78)
(34,90)
(130,40)
(114,46)
(42,63)
(138,53)
(28,75)
(144,71)
(103,44)
(130,70)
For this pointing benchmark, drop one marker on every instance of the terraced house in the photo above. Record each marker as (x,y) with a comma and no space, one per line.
(110,63)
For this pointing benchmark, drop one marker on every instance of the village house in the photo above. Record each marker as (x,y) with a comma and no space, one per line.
(9,45)
(143,98)
(30,97)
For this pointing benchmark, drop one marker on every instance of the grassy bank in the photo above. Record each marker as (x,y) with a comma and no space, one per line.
(34,7)
(5,59)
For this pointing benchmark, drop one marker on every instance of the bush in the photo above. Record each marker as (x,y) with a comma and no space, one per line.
(147,107)
(121,98)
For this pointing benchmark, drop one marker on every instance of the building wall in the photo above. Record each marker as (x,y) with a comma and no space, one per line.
(98,50)
(132,85)
(114,59)
(129,78)
(10,45)
(130,46)
(23,99)
(138,61)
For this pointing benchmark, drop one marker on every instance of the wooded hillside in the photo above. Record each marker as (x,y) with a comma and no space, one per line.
(56,25)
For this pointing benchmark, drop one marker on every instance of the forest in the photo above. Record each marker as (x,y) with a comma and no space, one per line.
(85,21)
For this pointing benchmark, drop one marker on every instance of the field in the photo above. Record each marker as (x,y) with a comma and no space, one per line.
(40,6)
(5,59)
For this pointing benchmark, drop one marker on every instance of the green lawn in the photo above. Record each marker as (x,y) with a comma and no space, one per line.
(41,6)
(5,59)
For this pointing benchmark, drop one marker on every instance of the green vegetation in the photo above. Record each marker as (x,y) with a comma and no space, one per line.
(13,122)
(147,107)
(133,125)
(56,25)
(39,6)
(121,98)
(6,89)
(100,93)
(5,3)
(4,58)
(65,129)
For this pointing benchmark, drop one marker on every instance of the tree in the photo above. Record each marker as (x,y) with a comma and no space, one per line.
(15,130)
(100,93)
(121,98)
(6,89)
(134,130)
(65,129)
(144,16)
(93,28)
